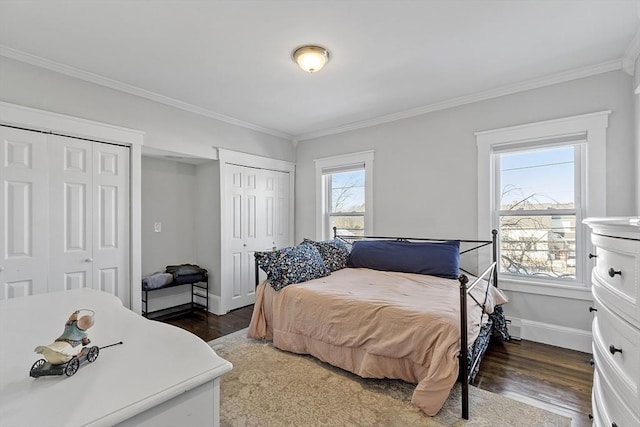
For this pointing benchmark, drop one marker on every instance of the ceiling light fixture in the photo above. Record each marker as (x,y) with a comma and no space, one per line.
(311,58)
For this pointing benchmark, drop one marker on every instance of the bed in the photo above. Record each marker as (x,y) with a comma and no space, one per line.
(383,307)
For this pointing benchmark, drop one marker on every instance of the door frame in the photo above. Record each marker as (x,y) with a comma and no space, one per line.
(50,122)
(220,305)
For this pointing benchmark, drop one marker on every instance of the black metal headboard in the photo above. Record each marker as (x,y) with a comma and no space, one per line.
(475,244)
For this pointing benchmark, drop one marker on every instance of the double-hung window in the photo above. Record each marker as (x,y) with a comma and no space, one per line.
(344,194)
(537,206)
(345,200)
(536,183)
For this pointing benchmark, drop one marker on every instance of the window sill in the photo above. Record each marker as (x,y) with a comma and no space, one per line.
(577,291)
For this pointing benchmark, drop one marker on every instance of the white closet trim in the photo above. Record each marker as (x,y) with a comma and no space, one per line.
(229,157)
(46,121)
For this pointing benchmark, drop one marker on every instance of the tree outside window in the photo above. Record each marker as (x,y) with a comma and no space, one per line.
(538,192)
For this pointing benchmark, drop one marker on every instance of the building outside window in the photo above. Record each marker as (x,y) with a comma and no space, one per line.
(537,209)
(344,195)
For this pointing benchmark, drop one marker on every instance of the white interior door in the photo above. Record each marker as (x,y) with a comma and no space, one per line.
(89,211)
(110,250)
(23,213)
(71,213)
(282,213)
(235,204)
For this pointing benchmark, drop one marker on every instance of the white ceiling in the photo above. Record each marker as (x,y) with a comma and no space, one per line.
(389,59)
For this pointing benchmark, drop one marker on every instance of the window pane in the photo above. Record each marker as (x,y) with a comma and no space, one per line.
(347,191)
(538,179)
(347,225)
(543,246)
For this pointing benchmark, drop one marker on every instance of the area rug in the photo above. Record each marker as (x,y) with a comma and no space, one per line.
(270,387)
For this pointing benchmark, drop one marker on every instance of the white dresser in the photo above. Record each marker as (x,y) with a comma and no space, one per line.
(616,322)
(160,376)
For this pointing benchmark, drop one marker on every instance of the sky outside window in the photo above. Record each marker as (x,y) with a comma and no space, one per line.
(538,179)
(347,191)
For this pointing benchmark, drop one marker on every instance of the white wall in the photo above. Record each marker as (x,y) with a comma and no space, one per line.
(636,86)
(169,194)
(425,174)
(167,128)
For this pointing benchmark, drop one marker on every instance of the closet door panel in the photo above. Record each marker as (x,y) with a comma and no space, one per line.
(71,214)
(23,213)
(282,213)
(110,250)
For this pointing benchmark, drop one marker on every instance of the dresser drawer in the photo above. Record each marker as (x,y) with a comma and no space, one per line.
(616,270)
(608,408)
(621,368)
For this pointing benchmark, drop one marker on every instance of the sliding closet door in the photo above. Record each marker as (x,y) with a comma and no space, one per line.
(23,214)
(89,205)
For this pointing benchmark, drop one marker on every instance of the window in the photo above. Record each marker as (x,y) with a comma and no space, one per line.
(344,194)
(345,210)
(536,183)
(537,209)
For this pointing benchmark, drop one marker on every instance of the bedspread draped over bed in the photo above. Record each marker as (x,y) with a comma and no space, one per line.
(375,324)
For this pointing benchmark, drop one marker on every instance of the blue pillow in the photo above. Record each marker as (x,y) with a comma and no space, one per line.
(291,265)
(436,259)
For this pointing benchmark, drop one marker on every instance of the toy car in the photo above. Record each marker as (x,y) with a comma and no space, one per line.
(43,368)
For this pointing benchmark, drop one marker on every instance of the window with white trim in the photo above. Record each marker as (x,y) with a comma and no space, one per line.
(537,207)
(536,183)
(345,200)
(344,195)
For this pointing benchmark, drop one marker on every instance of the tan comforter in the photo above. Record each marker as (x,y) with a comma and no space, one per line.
(375,324)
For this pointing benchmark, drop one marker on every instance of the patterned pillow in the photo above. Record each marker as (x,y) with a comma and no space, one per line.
(292,265)
(334,252)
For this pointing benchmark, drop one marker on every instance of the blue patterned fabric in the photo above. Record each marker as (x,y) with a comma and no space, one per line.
(334,252)
(292,265)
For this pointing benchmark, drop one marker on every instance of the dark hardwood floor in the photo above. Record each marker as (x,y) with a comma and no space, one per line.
(541,375)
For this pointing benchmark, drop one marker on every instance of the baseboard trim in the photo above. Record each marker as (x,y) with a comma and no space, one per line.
(556,335)
(215,305)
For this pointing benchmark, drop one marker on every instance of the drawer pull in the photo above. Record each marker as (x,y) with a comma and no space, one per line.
(614,350)
(613,272)
(591,309)
(592,256)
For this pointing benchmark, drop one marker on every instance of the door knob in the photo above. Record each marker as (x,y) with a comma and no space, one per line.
(88,260)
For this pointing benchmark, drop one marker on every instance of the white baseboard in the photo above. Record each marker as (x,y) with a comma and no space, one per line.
(546,333)
(215,304)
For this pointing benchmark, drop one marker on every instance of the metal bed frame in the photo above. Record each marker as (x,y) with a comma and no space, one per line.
(491,274)
(466,368)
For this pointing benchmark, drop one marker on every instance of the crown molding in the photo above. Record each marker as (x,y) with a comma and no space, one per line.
(631,55)
(627,63)
(132,90)
(561,77)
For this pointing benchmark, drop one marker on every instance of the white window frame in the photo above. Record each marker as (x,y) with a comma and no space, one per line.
(588,128)
(364,160)
(577,141)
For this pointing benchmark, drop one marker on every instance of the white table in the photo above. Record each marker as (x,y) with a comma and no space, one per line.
(160,376)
